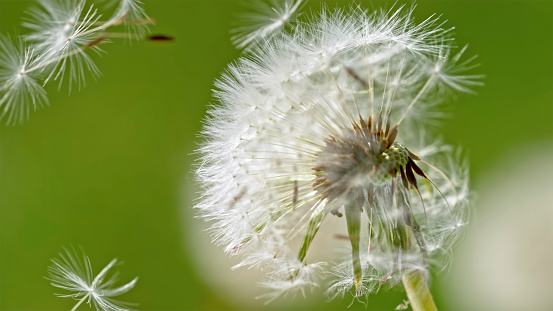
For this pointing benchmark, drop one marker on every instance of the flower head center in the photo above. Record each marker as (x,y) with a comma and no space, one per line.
(357,158)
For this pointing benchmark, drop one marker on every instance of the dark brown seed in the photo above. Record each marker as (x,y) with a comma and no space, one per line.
(403,178)
(379,124)
(411,176)
(413,156)
(387,125)
(417,169)
(392,134)
(372,142)
(355,76)
(160,38)
(383,145)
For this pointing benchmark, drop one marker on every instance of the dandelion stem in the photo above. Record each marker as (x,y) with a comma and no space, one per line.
(417,291)
(80,301)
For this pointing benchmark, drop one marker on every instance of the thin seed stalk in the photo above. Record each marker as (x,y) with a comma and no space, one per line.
(80,301)
(417,291)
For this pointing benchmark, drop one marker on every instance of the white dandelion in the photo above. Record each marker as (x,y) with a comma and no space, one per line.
(72,272)
(320,123)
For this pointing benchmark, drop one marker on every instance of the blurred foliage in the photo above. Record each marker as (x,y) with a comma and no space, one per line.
(109,167)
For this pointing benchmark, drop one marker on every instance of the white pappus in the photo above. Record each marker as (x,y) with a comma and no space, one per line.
(72,272)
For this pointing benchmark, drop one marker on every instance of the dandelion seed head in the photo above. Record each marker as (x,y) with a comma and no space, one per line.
(323,122)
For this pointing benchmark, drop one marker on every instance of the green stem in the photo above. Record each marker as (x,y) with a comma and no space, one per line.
(418,292)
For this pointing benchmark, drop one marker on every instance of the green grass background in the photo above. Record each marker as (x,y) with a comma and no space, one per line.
(109,167)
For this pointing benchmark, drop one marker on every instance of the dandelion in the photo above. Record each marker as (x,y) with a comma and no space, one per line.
(62,34)
(73,273)
(324,125)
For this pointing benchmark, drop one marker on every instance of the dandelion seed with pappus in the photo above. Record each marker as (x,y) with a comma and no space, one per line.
(72,272)
(62,33)
(328,120)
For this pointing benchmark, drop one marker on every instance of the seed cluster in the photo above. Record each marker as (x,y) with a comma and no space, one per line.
(364,156)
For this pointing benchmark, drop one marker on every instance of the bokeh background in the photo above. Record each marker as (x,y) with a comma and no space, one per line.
(109,167)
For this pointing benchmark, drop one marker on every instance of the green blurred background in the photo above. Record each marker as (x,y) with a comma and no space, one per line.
(108,167)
